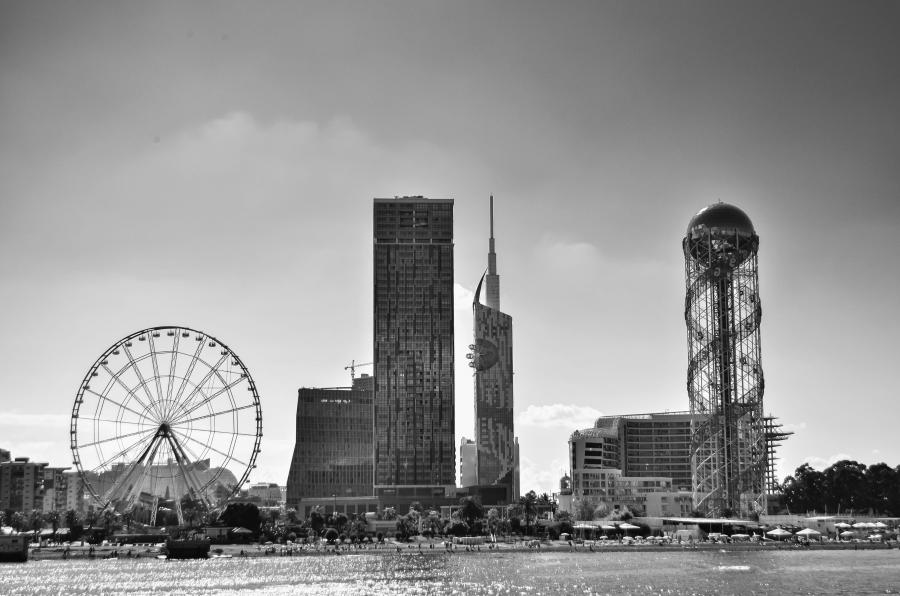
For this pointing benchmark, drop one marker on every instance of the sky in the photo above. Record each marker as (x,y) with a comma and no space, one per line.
(213,165)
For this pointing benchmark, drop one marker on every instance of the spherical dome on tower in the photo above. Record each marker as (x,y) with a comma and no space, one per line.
(723,216)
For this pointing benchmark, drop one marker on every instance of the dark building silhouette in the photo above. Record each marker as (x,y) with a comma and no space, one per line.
(492,359)
(333,448)
(725,378)
(414,446)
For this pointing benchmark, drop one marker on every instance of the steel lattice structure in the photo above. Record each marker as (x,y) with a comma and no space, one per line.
(724,378)
(163,413)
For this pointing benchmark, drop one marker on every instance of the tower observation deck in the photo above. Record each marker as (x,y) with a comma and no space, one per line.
(724,377)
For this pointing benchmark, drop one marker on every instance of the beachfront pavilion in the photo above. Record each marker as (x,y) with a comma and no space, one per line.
(705,525)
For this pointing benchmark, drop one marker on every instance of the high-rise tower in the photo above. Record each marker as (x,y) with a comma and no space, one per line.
(724,377)
(491,357)
(413,404)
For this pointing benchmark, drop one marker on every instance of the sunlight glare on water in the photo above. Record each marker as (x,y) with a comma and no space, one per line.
(522,573)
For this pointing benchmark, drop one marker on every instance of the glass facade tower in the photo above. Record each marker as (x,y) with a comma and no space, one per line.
(414,441)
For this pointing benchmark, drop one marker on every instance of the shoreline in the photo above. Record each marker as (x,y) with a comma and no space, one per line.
(239,551)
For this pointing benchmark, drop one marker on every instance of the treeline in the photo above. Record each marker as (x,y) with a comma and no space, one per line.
(844,487)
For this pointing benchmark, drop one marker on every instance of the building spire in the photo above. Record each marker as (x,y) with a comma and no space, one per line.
(492,279)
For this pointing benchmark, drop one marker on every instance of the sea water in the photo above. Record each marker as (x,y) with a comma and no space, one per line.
(531,573)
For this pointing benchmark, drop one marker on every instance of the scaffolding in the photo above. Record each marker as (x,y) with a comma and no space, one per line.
(724,378)
(775,435)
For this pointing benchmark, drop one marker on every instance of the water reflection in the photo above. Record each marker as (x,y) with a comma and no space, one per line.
(676,573)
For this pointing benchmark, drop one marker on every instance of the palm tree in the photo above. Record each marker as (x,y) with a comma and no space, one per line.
(528,504)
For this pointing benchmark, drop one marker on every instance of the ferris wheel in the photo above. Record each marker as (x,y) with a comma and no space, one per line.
(165,413)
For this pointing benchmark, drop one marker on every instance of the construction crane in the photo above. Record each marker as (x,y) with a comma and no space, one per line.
(353,366)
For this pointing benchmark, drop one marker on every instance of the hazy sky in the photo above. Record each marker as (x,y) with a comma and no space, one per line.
(213,164)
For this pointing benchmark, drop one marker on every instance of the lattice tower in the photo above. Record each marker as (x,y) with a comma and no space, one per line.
(725,379)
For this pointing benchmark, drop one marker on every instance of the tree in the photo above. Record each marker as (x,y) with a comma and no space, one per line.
(493,520)
(36,520)
(845,486)
(528,505)
(406,527)
(882,481)
(109,518)
(17,521)
(805,490)
(52,518)
(587,507)
(388,514)
(244,515)
(470,510)
(316,521)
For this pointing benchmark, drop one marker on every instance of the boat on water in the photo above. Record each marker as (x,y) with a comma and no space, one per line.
(14,547)
(187,548)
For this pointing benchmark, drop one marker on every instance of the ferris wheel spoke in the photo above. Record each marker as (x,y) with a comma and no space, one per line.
(213,414)
(220,432)
(117,437)
(228,456)
(140,376)
(172,367)
(112,401)
(121,453)
(213,370)
(209,398)
(153,359)
(127,389)
(189,372)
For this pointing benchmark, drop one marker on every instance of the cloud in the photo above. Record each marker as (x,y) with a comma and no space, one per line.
(541,478)
(462,298)
(794,427)
(820,463)
(563,416)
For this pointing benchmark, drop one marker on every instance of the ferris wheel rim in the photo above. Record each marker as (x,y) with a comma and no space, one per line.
(149,333)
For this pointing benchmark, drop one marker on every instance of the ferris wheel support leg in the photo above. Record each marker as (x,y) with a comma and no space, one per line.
(190,478)
(136,486)
(123,480)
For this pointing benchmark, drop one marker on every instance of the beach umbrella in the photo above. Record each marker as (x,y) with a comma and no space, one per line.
(626,526)
(847,534)
(778,533)
(879,524)
(809,533)
(861,525)
(842,525)
(607,527)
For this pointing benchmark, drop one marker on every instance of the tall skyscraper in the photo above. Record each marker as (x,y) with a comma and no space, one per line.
(724,377)
(413,351)
(492,359)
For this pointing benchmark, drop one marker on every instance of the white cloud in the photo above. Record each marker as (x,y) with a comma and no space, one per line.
(462,298)
(541,478)
(794,427)
(564,416)
(820,463)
